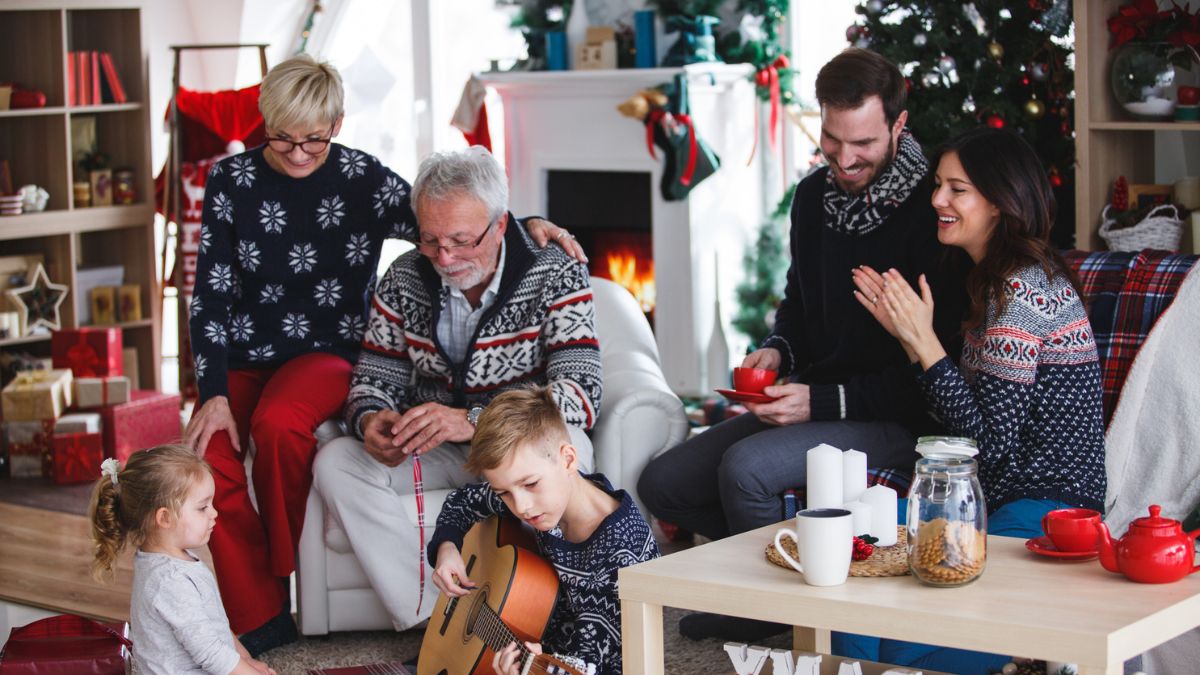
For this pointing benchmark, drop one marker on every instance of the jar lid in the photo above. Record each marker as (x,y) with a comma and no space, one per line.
(948,464)
(946,446)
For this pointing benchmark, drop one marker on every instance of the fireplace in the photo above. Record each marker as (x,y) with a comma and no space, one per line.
(615,232)
(572,157)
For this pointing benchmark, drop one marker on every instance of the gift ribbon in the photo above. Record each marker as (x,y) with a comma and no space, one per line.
(71,463)
(655,117)
(82,358)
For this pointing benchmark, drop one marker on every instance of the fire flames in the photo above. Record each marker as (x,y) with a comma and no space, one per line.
(636,275)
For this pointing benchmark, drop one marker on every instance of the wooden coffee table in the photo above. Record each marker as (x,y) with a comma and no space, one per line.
(1023,605)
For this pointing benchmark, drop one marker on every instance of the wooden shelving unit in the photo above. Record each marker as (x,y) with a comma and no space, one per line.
(35,37)
(1109,142)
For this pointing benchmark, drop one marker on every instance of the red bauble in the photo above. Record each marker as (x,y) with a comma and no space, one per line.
(1055,180)
(995,121)
(762,78)
(782,62)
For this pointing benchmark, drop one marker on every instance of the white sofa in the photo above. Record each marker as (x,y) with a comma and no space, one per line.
(639,418)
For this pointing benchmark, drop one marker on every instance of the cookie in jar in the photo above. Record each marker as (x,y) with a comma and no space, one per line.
(947,515)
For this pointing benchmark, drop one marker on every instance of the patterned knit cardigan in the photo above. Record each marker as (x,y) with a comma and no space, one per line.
(1028,391)
(540,330)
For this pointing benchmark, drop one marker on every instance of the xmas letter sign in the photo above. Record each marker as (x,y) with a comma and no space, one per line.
(749,660)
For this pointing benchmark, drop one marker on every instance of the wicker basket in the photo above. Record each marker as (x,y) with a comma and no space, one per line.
(1161,229)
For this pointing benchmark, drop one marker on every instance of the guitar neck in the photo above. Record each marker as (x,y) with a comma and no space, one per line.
(492,630)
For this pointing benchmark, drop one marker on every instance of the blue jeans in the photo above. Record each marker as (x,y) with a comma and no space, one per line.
(1022,518)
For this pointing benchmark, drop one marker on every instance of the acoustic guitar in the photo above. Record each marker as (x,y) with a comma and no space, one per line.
(515,593)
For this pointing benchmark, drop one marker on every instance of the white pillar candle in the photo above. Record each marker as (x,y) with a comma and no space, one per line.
(882,500)
(861,513)
(824,486)
(854,475)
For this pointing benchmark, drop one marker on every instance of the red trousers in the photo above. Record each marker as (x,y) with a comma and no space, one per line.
(280,409)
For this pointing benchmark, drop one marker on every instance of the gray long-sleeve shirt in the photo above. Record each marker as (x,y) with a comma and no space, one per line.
(177,622)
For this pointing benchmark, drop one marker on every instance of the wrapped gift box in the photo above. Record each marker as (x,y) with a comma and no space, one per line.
(89,351)
(27,444)
(93,392)
(79,423)
(37,395)
(66,645)
(76,457)
(150,418)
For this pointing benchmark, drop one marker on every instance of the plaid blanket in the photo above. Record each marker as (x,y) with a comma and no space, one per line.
(1125,292)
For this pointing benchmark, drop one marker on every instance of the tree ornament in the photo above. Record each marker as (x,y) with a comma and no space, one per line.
(946,63)
(920,39)
(854,32)
(1056,180)
(975,18)
(931,79)
(995,121)
(995,50)
(1039,71)
(968,105)
(1035,109)
(875,6)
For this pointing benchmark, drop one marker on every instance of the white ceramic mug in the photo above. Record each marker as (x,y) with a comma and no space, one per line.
(825,540)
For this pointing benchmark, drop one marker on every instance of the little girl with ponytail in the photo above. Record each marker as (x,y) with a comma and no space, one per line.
(161,504)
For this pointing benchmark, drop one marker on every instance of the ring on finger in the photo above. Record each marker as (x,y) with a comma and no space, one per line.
(562,234)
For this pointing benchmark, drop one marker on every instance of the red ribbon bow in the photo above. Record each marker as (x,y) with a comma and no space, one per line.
(768,76)
(70,460)
(82,358)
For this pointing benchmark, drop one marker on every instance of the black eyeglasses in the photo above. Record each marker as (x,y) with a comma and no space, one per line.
(312,146)
(431,248)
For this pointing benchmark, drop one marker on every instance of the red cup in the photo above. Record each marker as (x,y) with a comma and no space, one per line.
(1188,95)
(1072,530)
(752,380)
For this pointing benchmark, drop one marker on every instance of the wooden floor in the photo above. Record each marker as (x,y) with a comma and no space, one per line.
(44,562)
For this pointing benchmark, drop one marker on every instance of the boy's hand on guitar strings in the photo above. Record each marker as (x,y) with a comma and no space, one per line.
(507,661)
(450,575)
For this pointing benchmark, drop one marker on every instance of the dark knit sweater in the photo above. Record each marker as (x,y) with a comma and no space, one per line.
(1028,391)
(586,623)
(540,329)
(286,264)
(829,341)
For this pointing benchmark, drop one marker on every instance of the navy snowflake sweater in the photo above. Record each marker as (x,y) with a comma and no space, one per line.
(1028,391)
(586,623)
(287,265)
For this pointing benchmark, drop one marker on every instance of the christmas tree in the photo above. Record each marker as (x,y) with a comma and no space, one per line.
(1001,63)
(766,265)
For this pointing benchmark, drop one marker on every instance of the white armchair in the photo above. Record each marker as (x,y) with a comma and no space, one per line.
(639,418)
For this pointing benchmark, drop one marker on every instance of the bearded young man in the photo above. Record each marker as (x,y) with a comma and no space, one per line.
(848,384)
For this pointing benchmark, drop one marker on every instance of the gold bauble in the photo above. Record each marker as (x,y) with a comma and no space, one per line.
(1035,108)
(996,50)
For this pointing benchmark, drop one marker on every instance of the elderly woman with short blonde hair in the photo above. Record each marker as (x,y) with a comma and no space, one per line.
(291,239)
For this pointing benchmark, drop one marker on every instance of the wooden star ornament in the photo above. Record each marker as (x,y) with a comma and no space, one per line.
(39,302)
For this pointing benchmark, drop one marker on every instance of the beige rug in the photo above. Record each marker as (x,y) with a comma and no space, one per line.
(681,655)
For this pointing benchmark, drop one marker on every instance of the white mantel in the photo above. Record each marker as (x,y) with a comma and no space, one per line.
(567,120)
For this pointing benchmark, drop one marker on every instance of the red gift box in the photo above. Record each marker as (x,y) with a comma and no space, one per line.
(27,444)
(76,457)
(66,645)
(150,418)
(88,352)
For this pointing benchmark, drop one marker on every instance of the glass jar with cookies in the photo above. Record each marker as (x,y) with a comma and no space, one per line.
(947,515)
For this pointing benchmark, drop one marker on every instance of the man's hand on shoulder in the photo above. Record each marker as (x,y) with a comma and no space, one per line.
(792,405)
(379,437)
(428,425)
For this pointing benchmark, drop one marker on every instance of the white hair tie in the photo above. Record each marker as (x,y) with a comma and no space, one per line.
(110,467)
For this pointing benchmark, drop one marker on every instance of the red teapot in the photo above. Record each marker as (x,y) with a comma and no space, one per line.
(1155,550)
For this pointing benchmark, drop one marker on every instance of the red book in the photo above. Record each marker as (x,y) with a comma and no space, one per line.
(88,351)
(81,77)
(94,65)
(112,79)
(72,95)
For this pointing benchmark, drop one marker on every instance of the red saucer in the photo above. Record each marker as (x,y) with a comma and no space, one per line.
(1043,546)
(744,396)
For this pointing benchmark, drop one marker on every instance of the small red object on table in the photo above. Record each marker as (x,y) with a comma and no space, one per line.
(66,645)
(88,351)
(148,419)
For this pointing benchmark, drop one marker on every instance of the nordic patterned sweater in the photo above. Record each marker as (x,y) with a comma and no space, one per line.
(287,264)
(540,329)
(1028,391)
(586,623)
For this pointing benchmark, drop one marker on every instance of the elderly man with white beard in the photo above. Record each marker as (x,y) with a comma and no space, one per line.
(477,309)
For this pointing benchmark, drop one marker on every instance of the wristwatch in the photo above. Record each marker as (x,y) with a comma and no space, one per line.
(473,414)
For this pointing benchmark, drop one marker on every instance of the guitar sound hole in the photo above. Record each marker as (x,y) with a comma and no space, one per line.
(478,602)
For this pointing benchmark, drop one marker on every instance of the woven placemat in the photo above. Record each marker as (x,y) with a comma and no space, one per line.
(889,561)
